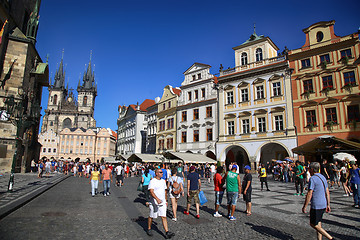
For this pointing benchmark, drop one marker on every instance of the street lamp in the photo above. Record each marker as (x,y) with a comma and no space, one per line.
(17,112)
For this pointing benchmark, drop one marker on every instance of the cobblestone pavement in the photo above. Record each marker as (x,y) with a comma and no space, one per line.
(68,211)
(26,187)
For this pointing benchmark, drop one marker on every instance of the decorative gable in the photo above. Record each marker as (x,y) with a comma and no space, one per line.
(197,72)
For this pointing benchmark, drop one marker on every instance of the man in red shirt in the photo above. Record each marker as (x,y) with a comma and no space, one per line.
(219,190)
(106,177)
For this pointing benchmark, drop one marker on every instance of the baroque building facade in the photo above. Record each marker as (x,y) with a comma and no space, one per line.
(166,120)
(64,110)
(151,121)
(23,75)
(255,108)
(132,128)
(197,112)
(325,84)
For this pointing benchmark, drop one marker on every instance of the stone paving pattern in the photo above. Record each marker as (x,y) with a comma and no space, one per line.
(68,211)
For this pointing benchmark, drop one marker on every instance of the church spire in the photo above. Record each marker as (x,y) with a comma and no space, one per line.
(88,78)
(59,79)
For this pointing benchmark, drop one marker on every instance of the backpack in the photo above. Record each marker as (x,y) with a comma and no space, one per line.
(176,189)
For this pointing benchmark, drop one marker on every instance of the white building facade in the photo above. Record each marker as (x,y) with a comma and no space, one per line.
(151,122)
(49,141)
(255,106)
(197,129)
(132,128)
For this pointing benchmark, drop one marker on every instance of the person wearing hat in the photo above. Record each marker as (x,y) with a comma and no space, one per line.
(233,190)
(247,189)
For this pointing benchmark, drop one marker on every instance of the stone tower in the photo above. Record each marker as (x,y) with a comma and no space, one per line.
(87,92)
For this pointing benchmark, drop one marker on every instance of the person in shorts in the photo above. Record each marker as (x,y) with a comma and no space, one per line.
(193,189)
(158,203)
(219,190)
(247,189)
(319,197)
(176,189)
(233,190)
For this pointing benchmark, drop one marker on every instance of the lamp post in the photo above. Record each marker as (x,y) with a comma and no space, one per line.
(17,112)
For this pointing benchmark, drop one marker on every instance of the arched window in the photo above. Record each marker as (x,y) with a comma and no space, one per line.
(51,123)
(258,54)
(85,101)
(67,123)
(244,59)
(55,99)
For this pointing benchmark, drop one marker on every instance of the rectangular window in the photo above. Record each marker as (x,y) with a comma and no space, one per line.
(184,116)
(331,115)
(279,123)
(44,150)
(189,96)
(90,151)
(162,125)
(262,124)
(327,82)
(305,63)
(230,97)
(260,92)
(346,53)
(349,78)
(169,104)
(244,95)
(196,92)
(353,113)
(308,86)
(54,150)
(199,75)
(203,92)
(231,128)
(311,117)
(193,77)
(170,123)
(81,151)
(164,106)
(208,112)
(183,137)
(49,150)
(85,151)
(196,135)
(246,126)
(196,114)
(325,58)
(277,88)
(209,134)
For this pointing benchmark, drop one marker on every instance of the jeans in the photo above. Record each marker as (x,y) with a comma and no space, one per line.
(106,186)
(299,181)
(94,186)
(286,177)
(356,193)
(147,192)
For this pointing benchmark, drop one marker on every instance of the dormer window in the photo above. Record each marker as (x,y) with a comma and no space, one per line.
(258,54)
(319,36)
(244,59)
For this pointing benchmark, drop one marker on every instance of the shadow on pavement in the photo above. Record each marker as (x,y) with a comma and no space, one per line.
(271,232)
(339,224)
(347,217)
(340,236)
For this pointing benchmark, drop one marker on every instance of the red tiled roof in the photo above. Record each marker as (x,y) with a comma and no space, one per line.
(114,134)
(177,91)
(145,104)
(133,106)
(215,79)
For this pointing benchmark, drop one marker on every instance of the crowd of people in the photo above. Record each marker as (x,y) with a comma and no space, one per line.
(162,181)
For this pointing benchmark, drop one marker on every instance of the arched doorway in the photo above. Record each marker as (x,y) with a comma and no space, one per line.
(272,151)
(237,154)
(210,154)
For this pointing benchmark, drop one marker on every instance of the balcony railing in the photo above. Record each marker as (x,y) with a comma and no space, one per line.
(252,65)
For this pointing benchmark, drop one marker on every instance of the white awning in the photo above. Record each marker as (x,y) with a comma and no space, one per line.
(141,157)
(189,157)
(111,160)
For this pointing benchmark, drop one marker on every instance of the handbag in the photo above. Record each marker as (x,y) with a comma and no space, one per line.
(140,187)
(202,198)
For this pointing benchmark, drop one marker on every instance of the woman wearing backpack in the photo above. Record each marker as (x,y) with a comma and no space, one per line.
(176,188)
(145,179)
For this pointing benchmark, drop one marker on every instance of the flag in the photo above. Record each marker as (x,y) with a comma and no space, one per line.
(2,31)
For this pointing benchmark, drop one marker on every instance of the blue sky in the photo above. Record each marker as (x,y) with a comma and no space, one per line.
(139,46)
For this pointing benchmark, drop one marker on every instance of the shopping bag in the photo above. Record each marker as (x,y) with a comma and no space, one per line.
(202,198)
(140,187)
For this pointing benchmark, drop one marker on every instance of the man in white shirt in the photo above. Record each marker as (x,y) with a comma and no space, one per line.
(213,171)
(119,176)
(158,202)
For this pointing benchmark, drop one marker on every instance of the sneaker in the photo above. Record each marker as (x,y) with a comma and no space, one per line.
(174,219)
(302,194)
(346,195)
(267,189)
(169,235)
(104,195)
(93,195)
(229,216)
(186,212)
(197,216)
(232,218)
(149,232)
(296,194)
(108,193)
(217,214)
